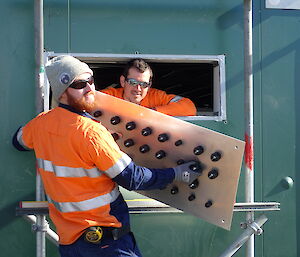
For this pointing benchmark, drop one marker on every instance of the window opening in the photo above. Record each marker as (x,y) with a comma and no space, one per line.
(199,78)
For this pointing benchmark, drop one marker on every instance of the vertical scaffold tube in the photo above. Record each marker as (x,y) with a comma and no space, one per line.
(39,53)
(39,105)
(41,223)
(249,153)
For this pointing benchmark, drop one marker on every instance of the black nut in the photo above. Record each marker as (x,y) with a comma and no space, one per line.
(146,131)
(160,154)
(130,125)
(178,142)
(192,197)
(179,162)
(163,137)
(115,120)
(216,156)
(213,174)
(196,167)
(194,184)
(208,204)
(115,136)
(97,113)
(174,190)
(198,150)
(144,148)
(128,142)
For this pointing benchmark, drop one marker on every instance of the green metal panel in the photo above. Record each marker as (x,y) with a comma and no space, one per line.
(57,25)
(280,126)
(164,27)
(17,106)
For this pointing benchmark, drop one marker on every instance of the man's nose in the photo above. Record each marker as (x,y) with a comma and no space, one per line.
(89,87)
(139,87)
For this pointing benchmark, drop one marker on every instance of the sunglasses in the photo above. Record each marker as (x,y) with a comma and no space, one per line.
(134,82)
(80,84)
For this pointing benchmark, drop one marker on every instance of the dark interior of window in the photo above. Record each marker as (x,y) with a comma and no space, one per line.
(191,80)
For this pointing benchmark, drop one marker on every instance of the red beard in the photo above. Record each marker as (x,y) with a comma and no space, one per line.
(80,104)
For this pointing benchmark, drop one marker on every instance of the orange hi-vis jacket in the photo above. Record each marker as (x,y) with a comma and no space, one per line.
(159,100)
(80,163)
(66,170)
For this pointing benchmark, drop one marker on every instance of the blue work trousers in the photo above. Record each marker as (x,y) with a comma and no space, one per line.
(123,247)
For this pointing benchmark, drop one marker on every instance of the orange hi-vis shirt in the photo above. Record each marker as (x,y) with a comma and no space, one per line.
(169,104)
(76,157)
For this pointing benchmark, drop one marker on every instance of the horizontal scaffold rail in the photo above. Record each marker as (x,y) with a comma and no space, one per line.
(145,206)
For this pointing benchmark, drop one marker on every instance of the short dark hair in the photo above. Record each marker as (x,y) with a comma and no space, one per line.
(138,64)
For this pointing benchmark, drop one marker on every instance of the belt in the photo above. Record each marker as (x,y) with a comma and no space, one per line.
(97,233)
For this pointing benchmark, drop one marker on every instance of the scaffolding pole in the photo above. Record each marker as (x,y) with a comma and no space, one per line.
(249,135)
(39,53)
(41,224)
(50,234)
(251,229)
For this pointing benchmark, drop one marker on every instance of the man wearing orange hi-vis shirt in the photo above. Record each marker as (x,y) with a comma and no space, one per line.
(81,167)
(136,87)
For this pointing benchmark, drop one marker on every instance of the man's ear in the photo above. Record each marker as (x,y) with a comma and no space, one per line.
(64,98)
(122,81)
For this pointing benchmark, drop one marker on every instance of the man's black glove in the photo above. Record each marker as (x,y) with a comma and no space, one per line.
(188,171)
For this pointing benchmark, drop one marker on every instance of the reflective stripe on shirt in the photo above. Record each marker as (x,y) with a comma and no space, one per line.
(20,139)
(86,205)
(176,99)
(62,171)
(119,166)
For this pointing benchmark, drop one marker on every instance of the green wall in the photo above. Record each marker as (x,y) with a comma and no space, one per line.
(279,122)
(164,27)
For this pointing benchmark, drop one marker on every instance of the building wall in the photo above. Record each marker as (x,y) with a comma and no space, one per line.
(279,119)
(164,27)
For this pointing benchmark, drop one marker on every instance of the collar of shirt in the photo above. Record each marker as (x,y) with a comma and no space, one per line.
(71,109)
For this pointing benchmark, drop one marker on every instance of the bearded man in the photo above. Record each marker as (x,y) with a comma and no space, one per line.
(81,167)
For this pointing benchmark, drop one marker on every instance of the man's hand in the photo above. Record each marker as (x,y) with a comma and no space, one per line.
(188,172)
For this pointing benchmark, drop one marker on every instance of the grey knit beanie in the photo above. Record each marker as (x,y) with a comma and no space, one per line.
(62,70)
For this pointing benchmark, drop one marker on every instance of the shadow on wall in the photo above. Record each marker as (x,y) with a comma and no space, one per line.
(271,58)
(232,16)
(8,212)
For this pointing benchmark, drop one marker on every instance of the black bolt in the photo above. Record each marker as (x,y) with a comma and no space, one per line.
(130,125)
(163,137)
(213,174)
(198,150)
(97,114)
(215,156)
(208,203)
(160,154)
(179,162)
(144,148)
(115,120)
(194,184)
(192,197)
(128,142)
(179,142)
(174,190)
(196,167)
(146,131)
(115,136)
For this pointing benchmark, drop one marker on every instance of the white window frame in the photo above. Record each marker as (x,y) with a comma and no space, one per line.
(218,73)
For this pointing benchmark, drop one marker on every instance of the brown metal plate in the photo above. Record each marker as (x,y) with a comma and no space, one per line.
(214,197)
